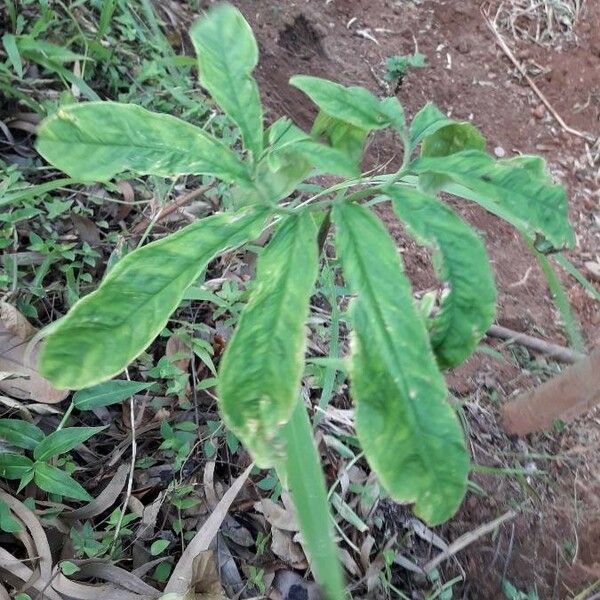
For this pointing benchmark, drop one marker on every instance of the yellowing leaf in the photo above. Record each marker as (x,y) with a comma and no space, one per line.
(409,433)
(94,141)
(19,356)
(227,55)
(261,369)
(469,308)
(107,329)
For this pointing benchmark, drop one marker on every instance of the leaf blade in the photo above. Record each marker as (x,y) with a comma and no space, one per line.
(63,440)
(507,190)
(131,138)
(469,308)
(258,388)
(21,434)
(14,466)
(227,54)
(102,334)
(107,393)
(410,434)
(54,481)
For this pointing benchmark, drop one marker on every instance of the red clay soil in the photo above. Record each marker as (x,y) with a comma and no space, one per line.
(554,545)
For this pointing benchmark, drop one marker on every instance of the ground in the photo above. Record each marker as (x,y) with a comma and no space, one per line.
(550,547)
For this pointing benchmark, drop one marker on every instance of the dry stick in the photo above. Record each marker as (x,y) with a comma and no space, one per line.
(467,539)
(171,208)
(504,46)
(553,350)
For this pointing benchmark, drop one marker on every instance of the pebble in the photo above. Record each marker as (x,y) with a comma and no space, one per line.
(539,111)
(499,151)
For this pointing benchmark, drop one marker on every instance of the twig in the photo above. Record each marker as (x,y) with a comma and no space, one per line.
(171,208)
(467,539)
(554,350)
(131,469)
(504,46)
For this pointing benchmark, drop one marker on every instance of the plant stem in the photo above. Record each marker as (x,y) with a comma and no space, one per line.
(66,416)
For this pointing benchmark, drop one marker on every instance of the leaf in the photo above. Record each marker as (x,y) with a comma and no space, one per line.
(227,55)
(9,41)
(14,466)
(469,308)
(19,357)
(508,191)
(7,523)
(54,481)
(445,141)
(263,363)
(341,135)
(158,547)
(302,471)
(409,433)
(63,440)
(107,329)
(68,568)
(105,394)
(95,141)
(426,122)
(20,433)
(354,105)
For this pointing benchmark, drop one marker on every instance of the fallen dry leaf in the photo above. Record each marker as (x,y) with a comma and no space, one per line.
(277,516)
(19,357)
(284,547)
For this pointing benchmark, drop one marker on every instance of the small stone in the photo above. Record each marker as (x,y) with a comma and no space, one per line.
(464,47)
(499,151)
(539,111)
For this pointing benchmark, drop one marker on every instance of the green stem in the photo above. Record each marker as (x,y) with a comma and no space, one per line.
(66,416)
(302,472)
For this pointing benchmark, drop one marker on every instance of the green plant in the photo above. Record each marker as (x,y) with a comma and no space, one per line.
(396,67)
(409,433)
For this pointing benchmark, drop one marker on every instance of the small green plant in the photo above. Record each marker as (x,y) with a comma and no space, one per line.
(396,67)
(408,431)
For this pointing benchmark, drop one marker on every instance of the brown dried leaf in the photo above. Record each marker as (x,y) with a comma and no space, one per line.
(284,547)
(277,516)
(86,228)
(18,358)
(176,346)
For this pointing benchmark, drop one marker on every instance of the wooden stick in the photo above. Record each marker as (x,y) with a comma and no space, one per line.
(171,208)
(555,351)
(504,46)
(468,538)
(564,397)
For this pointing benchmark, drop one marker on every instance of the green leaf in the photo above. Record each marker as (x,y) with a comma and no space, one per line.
(289,141)
(341,135)
(105,394)
(354,105)
(20,433)
(107,329)
(63,440)
(227,55)
(158,547)
(7,523)
(95,141)
(469,308)
(302,470)
(447,140)
(14,466)
(508,191)
(426,122)
(68,568)
(9,41)
(262,366)
(54,481)
(410,435)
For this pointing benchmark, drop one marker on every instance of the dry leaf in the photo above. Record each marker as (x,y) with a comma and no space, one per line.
(288,585)
(86,228)
(18,358)
(277,516)
(176,346)
(287,550)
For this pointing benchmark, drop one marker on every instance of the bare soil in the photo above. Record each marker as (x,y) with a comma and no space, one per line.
(553,546)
